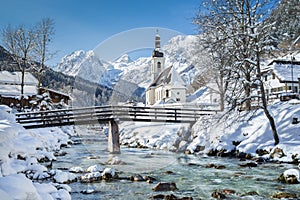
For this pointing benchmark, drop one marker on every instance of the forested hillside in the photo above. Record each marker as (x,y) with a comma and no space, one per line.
(57,80)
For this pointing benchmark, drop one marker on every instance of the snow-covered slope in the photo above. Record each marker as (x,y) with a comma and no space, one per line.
(179,52)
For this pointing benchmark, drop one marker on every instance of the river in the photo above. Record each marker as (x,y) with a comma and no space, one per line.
(191,173)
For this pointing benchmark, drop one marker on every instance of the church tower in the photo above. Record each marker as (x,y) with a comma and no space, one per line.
(158,60)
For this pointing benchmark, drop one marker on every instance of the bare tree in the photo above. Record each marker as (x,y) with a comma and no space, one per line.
(44,30)
(19,42)
(236,27)
(217,63)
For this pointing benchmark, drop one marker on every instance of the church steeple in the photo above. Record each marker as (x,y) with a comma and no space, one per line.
(158,60)
(157,41)
(156,51)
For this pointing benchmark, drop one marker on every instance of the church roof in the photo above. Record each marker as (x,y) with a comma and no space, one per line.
(176,80)
(168,77)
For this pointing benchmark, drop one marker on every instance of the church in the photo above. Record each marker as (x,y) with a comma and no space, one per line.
(166,84)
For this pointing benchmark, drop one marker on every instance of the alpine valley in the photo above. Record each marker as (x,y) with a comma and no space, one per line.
(179,52)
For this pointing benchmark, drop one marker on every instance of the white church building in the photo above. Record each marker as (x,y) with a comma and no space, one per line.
(166,84)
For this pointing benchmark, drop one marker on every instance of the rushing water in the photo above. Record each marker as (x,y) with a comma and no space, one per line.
(195,180)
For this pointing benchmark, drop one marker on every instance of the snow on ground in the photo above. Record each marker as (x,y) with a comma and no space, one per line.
(252,134)
(214,132)
(161,136)
(20,151)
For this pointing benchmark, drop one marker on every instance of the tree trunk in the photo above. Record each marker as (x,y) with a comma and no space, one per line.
(264,101)
(222,100)
(267,113)
(273,126)
(248,100)
(22,86)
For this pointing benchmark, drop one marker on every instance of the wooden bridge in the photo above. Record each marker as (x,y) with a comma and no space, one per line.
(110,115)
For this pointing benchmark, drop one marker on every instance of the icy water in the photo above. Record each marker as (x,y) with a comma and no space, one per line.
(190,173)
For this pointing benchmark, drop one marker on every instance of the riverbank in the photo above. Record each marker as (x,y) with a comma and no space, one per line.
(241,134)
(25,154)
(24,157)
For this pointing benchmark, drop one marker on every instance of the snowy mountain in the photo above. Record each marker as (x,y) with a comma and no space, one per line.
(179,52)
(88,66)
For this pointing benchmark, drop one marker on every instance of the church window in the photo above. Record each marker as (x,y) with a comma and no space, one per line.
(167,93)
(159,65)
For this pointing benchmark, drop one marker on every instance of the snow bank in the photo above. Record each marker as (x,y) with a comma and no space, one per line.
(20,152)
(251,131)
(17,186)
(243,131)
(161,136)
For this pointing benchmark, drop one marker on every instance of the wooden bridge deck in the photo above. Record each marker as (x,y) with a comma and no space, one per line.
(105,114)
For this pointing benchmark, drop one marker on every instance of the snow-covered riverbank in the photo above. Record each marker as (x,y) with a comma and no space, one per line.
(20,153)
(22,150)
(240,131)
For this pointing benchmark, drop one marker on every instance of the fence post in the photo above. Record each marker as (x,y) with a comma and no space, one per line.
(43,118)
(113,137)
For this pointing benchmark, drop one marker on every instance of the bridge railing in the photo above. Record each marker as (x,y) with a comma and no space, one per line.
(158,114)
(103,114)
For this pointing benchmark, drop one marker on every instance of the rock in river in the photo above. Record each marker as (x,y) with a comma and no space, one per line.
(162,186)
(137,177)
(95,168)
(291,176)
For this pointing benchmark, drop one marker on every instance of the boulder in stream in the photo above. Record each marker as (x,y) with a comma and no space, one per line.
(109,173)
(285,195)
(290,176)
(137,177)
(163,186)
(95,168)
(76,169)
(64,177)
(248,164)
(170,197)
(91,177)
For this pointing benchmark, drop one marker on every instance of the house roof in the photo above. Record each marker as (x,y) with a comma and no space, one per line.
(55,91)
(7,77)
(10,83)
(169,76)
(284,69)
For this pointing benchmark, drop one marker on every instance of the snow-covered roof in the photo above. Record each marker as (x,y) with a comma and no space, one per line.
(176,80)
(56,91)
(169,76)
(284,69)
(10,84)
(7,77)
(15,90)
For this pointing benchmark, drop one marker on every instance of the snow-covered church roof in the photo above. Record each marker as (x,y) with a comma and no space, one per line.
(169,77)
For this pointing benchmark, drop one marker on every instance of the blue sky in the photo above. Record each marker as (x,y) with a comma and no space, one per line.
(83,24)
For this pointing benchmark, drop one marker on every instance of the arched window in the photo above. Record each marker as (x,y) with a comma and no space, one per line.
(158,65)
(167,93)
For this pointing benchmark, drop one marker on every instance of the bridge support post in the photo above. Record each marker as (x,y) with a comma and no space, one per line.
(113,137)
